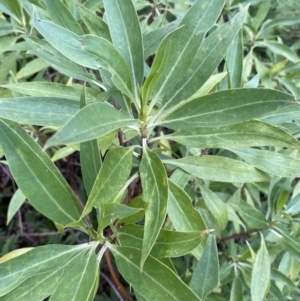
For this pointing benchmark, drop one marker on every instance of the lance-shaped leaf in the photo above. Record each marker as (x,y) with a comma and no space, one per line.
(39,260)
(226,107)
(90,122)
(43,49)
(253,218)
(183,215)
(215,168)
(78,281)
(112,211)
(243,134)
(260,277)
(90,159)
(155,192)
(206,275)
(211,53)
(94,23)
(234,61)
(84,50)
(168,243)
(37,176)
(282,114)
(236,293)
(215,205)
(126,35)
(15,203)
(46,89)
(292,244)
(274,163)
(156,281)
(136,203)
(61,15)
(45,111)
(111,178)
(184,45)
(153,38)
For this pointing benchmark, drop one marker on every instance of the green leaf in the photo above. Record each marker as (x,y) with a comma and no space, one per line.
(215,205)
(15,203)
(38,287)
(225,108)
(209,85)
(37,176)
(45,111)
(126,35)
(61,15)
(155,192)
(280,49)
(243,134)
(43,89)
(90,122)
(39,260)
(292,244)
(135,203)
(168,244)
(184,45)
(273,163)
(211,53)
(94,23)
(206,275)
(83,50)
(112,211)
(236,293)
(78,282)
(262,13)
(112,176)
(8,64)
(44,50)
(90,159)
(32,67)
(155,282)
(153,38)
(183,215)
(234,61)
(222,169)
(13,9)
(282,114)
(260,277)
(277,276)
(253,218)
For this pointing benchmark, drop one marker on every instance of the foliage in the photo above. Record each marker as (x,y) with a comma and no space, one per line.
(189,170)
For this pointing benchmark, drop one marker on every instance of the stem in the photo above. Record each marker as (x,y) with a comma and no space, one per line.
(115,278)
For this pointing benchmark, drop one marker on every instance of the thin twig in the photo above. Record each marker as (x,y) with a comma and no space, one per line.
(116,280)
